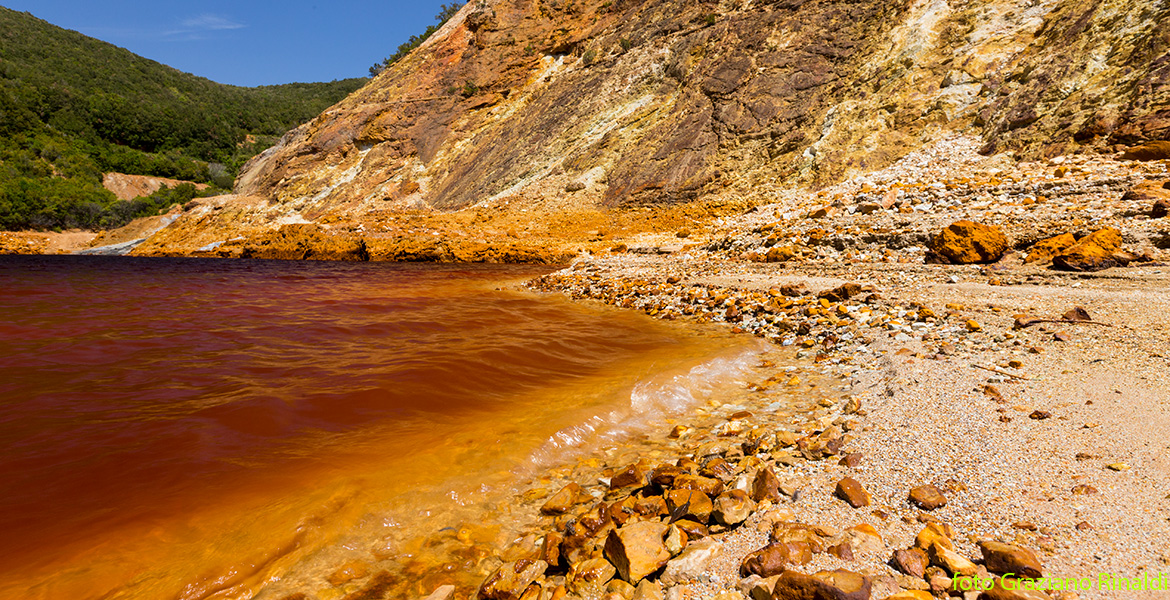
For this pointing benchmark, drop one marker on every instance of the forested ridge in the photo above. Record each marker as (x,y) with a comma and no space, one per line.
(74,107)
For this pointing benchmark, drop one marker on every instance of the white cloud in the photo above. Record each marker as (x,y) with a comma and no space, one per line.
(211,22)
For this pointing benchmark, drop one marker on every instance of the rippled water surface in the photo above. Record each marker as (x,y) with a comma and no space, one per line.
(193,428)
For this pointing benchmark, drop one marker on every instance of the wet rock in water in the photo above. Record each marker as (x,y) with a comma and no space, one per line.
(912,561)
(967,242)
(664,475)
(927,497)
(351,570)
(443,592)
(692,564)
(691,504)
(1044,250)
(850,490)
(774,558)
(563,500)
(596,571)
(637,550)
(823,585)
(631,475)
(1094,252)
(732,508)
(550,549)
(841,293)
(510,580)
(1003,558)
(765,486)
(1156,150)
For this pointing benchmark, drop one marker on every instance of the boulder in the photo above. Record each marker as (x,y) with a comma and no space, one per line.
(1004,558)
(967,242)
(823,585)
(1094,252)
(1044,250)
(774,558)
(510,580)
(851,491)
(563,500)
(1156,150)
(637,549)
(927,497)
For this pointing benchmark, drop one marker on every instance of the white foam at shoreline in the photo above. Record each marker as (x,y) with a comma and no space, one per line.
(651,400)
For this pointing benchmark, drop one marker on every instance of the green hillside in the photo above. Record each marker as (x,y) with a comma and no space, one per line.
(73,107)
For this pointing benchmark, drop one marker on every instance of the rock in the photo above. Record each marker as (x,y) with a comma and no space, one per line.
(934,533)
(780,254)
(1156,150)
(851,491)
(637,550)
(351,570)
(732,508)
(765,486)
(952,561)
(912,561)
(841,293)
(593,571)
(563,500)
(676,540)
(1083,490)
(1002,558)
(1040,415)
(550,549)
(843,551)
(1045,249)
(620,588)
(631,475)
(967,242)
(927,497)
(689,504)
(708,485)
(793,290)
(443,592)
(759,588)
(851,460)
(694,530)
(1077,314)
(510,580)
(1094,252)
(692,564)
(649,590)
(785,532)
(864,539)
(823,585)
(774,558)
(1160,209)
(1147,192)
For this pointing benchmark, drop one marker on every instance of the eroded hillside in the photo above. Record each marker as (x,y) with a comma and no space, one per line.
(534,123)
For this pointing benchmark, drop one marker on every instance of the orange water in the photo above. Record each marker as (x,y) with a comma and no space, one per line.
(186,428)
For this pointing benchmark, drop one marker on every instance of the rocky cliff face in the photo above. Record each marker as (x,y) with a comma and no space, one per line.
(589,106)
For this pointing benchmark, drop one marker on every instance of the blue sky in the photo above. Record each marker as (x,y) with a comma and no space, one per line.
(247,42)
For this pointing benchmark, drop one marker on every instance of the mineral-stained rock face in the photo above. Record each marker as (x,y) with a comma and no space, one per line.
(595,103)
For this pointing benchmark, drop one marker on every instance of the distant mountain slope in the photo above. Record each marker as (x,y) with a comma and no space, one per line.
(73,107)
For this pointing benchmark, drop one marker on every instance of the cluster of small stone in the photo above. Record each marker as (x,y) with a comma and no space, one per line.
(889,216)
(830,325)
(655,530)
